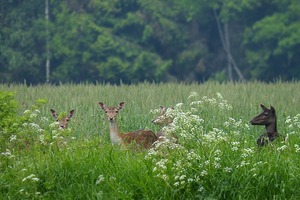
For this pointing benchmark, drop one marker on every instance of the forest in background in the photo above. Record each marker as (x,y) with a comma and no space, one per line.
(133,41)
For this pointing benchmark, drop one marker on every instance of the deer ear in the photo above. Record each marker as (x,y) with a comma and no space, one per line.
(272,109)
(102,105)
(71,113)
(54,113)
(263,107)
(120,106)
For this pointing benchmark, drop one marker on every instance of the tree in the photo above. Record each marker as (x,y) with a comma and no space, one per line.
(21,38)
(272,42)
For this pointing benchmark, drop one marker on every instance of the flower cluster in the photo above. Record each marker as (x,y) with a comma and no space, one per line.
(293,124)
(36,130)
(31,177)
(100,179)
(8,154)
(205,149)
(182,164)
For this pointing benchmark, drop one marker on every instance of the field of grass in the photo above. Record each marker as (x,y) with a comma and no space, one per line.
(216,156)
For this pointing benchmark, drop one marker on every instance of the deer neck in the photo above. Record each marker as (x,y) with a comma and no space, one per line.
(271,128)
(114,133)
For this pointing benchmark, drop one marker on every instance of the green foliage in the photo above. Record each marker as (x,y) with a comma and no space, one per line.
(274,42)
(21,52)
(135,41)
(8,108)
(9,121)
(216,156)
(17,131)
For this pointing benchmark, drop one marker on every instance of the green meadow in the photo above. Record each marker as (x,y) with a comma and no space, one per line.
(216,156)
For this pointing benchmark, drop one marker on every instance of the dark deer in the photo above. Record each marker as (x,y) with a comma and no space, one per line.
(267,118)
(142,139)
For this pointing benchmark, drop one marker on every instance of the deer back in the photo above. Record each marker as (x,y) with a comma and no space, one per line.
(142,138)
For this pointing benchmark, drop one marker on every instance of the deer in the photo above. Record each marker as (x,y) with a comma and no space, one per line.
(62,120)
(163,120)
(267,118)
(140,139)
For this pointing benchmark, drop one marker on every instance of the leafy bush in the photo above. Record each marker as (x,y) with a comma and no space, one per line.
(8,116)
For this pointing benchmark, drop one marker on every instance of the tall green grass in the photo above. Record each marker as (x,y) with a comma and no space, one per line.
(216,157)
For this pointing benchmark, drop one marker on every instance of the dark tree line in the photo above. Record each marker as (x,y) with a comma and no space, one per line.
(148,40)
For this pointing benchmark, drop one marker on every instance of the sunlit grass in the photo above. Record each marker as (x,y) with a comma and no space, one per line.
(216,156)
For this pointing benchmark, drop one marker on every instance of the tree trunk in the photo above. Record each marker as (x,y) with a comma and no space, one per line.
(226,45)
(47,42)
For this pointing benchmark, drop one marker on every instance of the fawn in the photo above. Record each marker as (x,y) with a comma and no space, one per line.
(62,120)
(267,118)
(164,119)
(143,139)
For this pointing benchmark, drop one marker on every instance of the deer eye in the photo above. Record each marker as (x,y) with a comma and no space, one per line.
(67,120)
(57,120)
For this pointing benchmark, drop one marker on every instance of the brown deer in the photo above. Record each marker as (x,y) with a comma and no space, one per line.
(267,118)
(62,120)
(142,139)
(163,120)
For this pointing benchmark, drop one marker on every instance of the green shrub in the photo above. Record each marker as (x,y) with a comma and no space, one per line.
(8,116)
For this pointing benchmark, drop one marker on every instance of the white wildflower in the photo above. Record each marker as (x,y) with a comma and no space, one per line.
(178,105)
(44,119)
(31,177)
(243,163)
(281,148)
(182,177)
(288,120)
(33,115)
(219,95)
(203,173)
(7,154)
(12,138)
(227,169)
(53,125)
(100,179)
(297,148)
(193,94)
(234,148)
(201,188)
(26,111)
(190,180)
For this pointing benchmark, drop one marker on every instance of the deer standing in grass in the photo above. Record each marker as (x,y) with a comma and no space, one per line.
(143,139)
(267,118)
(163,120)
(63,120)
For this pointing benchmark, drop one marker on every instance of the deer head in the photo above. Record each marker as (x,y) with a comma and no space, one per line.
(267,117)
(111,112)
(62,119)
(164,118)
